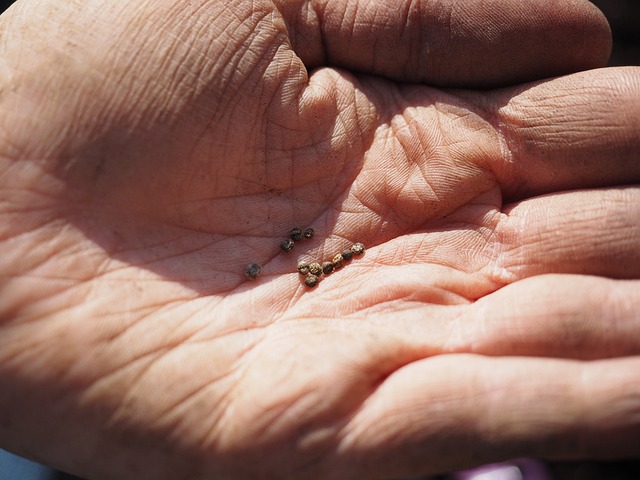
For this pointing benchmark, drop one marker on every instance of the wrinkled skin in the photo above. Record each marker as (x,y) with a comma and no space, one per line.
(149,150)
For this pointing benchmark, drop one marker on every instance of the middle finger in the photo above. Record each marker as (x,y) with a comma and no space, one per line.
(593,232)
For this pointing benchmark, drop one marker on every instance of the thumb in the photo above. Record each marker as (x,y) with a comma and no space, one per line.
(475,43)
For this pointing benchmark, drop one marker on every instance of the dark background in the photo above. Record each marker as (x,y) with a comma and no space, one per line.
(624,17)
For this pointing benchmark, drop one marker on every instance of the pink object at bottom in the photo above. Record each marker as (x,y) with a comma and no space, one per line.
(521,469)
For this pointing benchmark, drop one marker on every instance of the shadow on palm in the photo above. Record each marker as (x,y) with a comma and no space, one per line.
(358,159)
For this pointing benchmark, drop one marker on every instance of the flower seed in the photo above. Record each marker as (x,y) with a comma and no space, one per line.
(252,271)
(303,268)
(327,267)
(347,255)
(308,233)
(337,261)
(287,245)
(315,269)
(296,234)
(311,280)
(357,249)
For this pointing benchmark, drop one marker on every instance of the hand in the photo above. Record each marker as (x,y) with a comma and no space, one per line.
(150,150)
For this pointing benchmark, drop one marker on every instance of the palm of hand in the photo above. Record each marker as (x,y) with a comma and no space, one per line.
(157,230)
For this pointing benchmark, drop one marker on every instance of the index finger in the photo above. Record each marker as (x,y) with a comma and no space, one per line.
(578,131)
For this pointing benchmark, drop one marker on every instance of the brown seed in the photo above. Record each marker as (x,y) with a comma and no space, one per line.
(315,269)
(327,267)
(252,271)
(287,245)
(308,233)
(347,255)
(337,261)
(303,268)
(357,249)
(296,234)
(311,280)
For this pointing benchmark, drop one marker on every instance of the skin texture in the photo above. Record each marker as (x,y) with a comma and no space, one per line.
(150,150)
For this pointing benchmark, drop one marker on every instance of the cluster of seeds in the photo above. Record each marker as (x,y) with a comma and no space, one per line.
(295,235)
(252,271)
(314,271)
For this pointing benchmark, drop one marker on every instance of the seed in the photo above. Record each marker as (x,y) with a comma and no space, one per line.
(337,261)
(287,245)
(252,271)
(315,269)
(311,280)
(308,233)
(327,267)
(357,249)
(347,255)
(296,234)
(303,268)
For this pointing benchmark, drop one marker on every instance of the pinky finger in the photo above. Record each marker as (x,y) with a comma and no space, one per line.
(454,411)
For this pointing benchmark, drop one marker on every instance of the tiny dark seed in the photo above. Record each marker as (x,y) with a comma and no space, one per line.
(327,267)
(303,268)
(347,255)
(296,234)
(315,269)
(311,280)
(252,271)
(308,233)
(357,249)
(337,261)
(287,245)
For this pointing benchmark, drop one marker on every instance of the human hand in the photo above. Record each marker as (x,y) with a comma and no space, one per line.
(151,150)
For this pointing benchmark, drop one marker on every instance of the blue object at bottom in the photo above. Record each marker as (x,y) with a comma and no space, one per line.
(13,467)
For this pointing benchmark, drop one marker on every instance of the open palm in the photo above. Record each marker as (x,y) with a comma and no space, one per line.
(151,150)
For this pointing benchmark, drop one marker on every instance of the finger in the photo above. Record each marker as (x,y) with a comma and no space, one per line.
(561,316)
(594,232)
(453,411)
(577,131)
(471,43)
